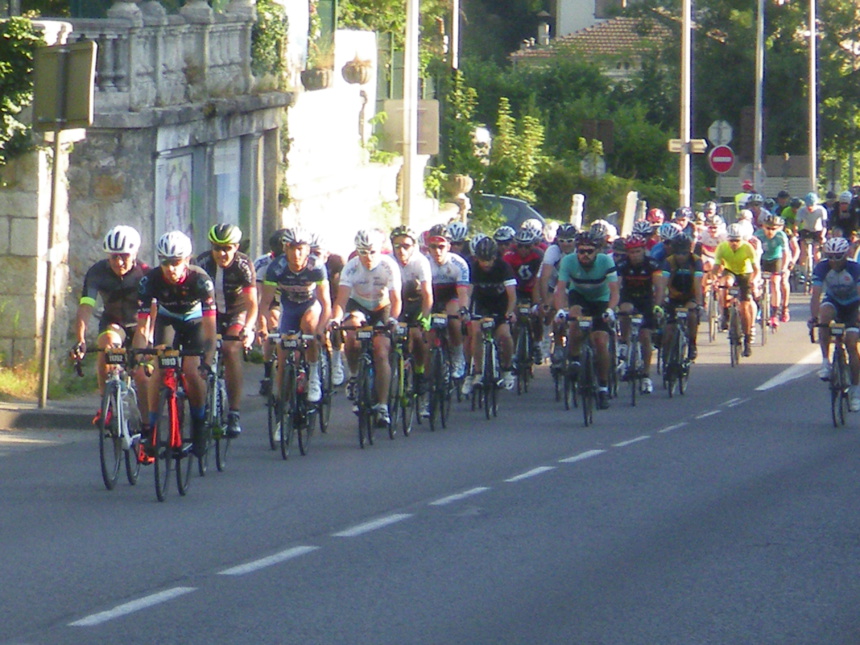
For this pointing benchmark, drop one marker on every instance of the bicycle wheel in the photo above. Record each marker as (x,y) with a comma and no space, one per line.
(366,396)
(184,458)
(274,418)
(325,381)
(633,368)
(713,316)
(764,323)
(288,410)
(837,389)
(587,384)
(407,398)
(304,423)
(163,452)
(683,363)
(735,336)
(435,387)
(212,431)
(448,385)
(673,363)
(110,443)
(521,359)
(132,463)
(395,388)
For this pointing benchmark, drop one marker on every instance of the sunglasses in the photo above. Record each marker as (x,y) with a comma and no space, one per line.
(567,240)
(222,248)
(437,247)
(586,251)
(404,247)
(295,247)
(121,257)
(836,256)
(173,262)
(771,228)
(366,252)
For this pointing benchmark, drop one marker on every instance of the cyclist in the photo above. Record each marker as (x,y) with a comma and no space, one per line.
(184,298)
(369,292)
(114,279)
(811,222)
(683,219)
(459,233)
(261,264)
(334,264)
(588,285)
(839,280)
(301,280)
(667,232)
(525,261)
(235,283)
(641,285)
(417,298)
(682,273)
(775,259)
(493,295)
(450,291)
(504,237)
(565,239)
(738,259)
(844,217)
(755,204)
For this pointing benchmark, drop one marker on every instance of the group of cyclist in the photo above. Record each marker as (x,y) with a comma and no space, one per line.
(557,274)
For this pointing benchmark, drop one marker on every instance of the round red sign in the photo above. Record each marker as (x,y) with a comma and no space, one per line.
(721,159)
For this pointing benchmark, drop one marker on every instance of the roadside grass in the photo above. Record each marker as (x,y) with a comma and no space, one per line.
(21,382)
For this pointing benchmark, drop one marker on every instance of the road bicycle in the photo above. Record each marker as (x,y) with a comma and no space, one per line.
(766,312)
(402,397)
(713,308)
(676,370)
(586,378)
(486,394)
(119,423)
(217,409)
(735,331)
(172,436)
(365,383)
(633,365)
(839,382)
(524,348)
(440,380)
(295,414)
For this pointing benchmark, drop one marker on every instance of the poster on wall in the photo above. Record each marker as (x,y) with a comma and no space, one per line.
(173,195)
(227,164)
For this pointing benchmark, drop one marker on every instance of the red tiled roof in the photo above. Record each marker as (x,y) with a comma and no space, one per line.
(610,37)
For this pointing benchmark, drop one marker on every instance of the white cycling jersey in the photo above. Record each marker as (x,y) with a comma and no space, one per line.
(370,288)
(814,219)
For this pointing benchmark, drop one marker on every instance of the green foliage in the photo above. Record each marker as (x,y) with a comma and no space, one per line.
(515,154)
(492,29)
(372,144)
(484,218)
(389,17)
(269,39)
(18,42)
(459,101)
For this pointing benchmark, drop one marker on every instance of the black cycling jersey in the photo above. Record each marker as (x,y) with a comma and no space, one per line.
(296,288)
(488,287)
(119,294)
(229,282)
(190,299)
(637,281)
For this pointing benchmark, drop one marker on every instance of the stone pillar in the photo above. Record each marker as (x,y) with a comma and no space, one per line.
(197,11)
(128,10)
(247,7)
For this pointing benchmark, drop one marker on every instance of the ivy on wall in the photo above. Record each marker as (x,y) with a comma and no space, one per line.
(18,43)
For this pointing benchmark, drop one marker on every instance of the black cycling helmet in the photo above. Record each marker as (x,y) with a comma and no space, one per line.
(225,234)
(486,249)
(680,243)
(403,231)
(566,232)
(796,202)
(439,230)
(275,244)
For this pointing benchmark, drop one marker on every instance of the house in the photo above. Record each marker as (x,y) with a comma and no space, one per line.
(574,15)
(618,44)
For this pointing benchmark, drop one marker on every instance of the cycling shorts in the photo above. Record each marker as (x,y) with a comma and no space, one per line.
(375,317)
(644,306)
(592,308)
(742,282)
(410,312)
(817,236)
(772,266)
(179,334)
(845,314)
(292,314)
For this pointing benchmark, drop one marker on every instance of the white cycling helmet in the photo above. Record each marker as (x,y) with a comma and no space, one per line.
(369,239)
(504,234)
(734,232)
(836,248)
(534,225)
(526,236)
(458,231)
(122,239)
(845,197)
(296,235)
(668,231)
(174,244)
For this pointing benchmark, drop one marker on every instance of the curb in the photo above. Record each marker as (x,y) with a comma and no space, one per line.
(45,419)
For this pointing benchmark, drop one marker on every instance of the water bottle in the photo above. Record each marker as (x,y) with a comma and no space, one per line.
(301,380)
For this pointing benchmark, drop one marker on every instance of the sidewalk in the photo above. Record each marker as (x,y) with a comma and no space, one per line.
(76,413)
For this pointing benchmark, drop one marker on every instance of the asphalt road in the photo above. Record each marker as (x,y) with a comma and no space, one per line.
(725,516)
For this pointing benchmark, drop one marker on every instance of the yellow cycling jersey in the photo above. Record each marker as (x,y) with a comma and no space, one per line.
(740,261)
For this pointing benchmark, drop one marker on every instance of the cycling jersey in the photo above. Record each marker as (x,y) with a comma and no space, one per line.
(710,241)
(295,287)
(261,264)
(658,252)
(412,274)
(551,259)
(838,286)
(591,282)
(188,300)
(118,294)
(637,280)
(772,248)
(449,275)
(230,282)
(738,262)
(811,220)
(489,286)
(525,269)
(848,220)
(370,288)
(680,276)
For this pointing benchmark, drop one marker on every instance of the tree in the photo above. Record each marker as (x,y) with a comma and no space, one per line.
(18,42)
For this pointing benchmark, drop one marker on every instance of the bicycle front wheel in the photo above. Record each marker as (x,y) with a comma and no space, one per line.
(325,380)
(683,363)
(110,443)
(838,389)
(735,337)
(274,421)
(407,397)
(164,462)
(587,384)
(183,456)
(395,392)
(132,463)
(288,410)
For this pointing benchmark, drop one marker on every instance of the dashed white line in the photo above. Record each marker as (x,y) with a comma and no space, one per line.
(458,496)
(248,567)
(674,426)
(361,529)
(130,607)
(583,455)
(737,403)
(731,402)
(707,414)
(621,444)
(531,473)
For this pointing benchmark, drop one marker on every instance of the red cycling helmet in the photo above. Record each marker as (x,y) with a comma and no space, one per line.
(636,242)
(655,216)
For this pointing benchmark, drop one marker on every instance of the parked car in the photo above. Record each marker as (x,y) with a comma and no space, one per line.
(516,211)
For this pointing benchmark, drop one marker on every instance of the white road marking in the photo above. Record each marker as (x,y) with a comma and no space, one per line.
(707,414)
(731,402)
(621,444)
(583,455)
(133,606)
(360,529)
(801,368)
(531,473)
(672,427)
(248,567)
(737,403)
(458,496)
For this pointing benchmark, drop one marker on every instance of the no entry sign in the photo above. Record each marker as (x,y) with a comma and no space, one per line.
(721,159)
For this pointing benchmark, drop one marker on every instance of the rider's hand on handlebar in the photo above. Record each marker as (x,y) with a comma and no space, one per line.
(812,322)
(609,316)
(561,314)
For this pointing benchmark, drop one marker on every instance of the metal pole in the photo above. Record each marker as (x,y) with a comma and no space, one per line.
(686,75)
(455,34)
(813,101)
(759,89)
(410,109)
